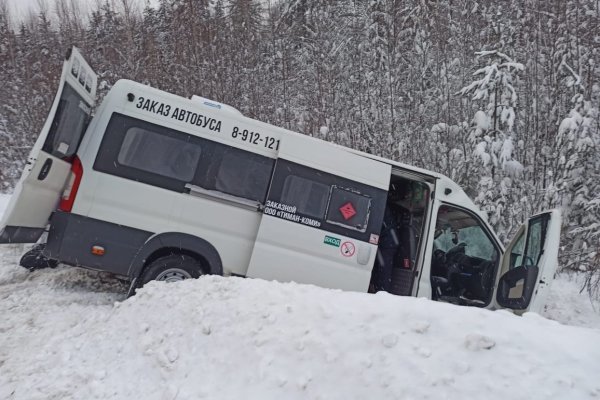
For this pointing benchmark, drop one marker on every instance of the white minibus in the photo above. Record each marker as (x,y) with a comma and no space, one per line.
(160,187)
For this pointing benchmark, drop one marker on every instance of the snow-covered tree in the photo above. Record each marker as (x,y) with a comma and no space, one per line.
(492,135)
(577,187)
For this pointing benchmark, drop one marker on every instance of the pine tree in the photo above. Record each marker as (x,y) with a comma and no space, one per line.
(577,187)
(492,136)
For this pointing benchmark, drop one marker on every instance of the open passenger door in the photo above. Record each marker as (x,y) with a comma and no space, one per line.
(529,264)
(49,163)
(322,218)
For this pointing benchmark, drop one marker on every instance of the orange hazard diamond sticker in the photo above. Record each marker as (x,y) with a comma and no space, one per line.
(347,211)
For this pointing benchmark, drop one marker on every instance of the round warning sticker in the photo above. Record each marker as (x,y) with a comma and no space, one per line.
(347,249)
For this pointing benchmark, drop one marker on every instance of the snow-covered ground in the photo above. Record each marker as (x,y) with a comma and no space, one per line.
(69,333)
(569,305)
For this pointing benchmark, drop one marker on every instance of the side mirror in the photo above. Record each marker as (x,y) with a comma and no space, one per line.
(515,287)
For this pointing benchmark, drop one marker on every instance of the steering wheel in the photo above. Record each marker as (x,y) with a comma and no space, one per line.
(458,249)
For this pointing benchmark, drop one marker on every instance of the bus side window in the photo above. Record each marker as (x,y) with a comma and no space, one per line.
(163,155)
(166,158)
(348,209)
(330,202)
(240,173)
(149,153)
(309,197)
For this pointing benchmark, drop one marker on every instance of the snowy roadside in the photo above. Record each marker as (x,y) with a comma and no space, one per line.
(67,334)
(569,305)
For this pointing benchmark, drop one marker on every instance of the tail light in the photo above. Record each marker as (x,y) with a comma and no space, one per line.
(68,196)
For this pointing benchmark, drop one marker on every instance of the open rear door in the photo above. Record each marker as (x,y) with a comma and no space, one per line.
(322,217)
(529,264)
(42,182)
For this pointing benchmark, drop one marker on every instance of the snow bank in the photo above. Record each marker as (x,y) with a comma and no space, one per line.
(571,305)
(232,338)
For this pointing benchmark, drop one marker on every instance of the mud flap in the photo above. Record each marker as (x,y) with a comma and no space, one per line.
(35,259)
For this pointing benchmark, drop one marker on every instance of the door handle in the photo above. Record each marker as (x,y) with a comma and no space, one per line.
(45,169)
(364,254)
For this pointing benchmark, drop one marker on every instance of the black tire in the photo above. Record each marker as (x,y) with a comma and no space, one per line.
(34,259)
(172,268)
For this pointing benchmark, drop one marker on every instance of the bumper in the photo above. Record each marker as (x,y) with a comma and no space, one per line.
(72,237)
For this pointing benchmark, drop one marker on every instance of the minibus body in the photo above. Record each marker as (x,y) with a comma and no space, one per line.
(159,187)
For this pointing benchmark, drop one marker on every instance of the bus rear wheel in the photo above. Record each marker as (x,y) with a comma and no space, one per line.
(172,268)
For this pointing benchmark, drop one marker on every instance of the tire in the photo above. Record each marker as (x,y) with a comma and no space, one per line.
(172,268)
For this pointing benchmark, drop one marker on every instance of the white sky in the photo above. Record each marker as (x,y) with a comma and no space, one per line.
(20,8)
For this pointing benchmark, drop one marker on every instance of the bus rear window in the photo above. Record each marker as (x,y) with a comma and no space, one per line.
(69,124)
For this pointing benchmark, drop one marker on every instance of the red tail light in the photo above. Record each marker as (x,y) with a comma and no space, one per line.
(68,197)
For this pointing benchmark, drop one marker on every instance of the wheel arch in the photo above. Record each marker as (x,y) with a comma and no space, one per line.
(170,242)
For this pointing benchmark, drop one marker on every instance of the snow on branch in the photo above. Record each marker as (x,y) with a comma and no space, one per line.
(574,74)
(485,53)
(515,65)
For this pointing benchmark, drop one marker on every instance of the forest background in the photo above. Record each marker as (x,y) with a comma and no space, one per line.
(502,96)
